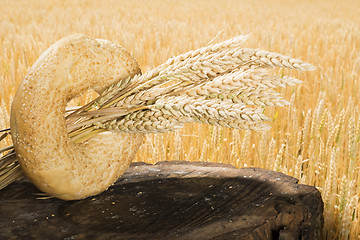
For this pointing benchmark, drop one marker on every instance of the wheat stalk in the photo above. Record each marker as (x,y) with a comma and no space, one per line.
(271,154)
(212,85)
(280,157)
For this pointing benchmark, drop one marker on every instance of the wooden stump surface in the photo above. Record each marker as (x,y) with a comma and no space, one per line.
(171,200)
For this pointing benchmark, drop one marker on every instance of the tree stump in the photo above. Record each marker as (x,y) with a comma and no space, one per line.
(171,200)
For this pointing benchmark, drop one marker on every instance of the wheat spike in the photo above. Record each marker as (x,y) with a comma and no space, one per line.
(214,84)
(271,153)
(145,122)
(210,85)
(201,65)
(228,91)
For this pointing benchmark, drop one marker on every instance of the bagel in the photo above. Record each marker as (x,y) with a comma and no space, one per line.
(48,157)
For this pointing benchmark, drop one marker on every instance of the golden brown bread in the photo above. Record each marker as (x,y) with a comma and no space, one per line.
(48,157)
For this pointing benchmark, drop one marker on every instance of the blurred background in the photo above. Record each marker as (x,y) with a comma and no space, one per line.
(316,139)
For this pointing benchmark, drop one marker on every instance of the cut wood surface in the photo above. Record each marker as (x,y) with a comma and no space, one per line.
(171,200)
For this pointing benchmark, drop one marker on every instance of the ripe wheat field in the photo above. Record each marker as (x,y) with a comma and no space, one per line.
(316,139)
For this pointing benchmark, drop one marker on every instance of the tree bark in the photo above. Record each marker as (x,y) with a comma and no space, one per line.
(171,200)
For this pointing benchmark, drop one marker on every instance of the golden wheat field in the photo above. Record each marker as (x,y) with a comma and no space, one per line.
(316,139)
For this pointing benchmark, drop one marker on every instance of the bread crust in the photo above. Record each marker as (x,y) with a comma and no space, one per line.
(45,152)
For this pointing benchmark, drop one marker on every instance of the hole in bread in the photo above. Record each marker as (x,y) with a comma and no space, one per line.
(81,100)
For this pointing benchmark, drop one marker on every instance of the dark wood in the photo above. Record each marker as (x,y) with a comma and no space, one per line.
(171,200)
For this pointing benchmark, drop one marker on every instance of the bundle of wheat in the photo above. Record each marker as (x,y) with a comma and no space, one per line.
(221,84)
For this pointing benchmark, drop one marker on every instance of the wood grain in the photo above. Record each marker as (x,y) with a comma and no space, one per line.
(171,200)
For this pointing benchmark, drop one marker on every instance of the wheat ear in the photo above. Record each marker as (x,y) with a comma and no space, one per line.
(213,84)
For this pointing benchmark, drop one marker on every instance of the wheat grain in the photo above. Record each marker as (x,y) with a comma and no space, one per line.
(203,157)
(299,144)
(340,126)
(187,66)
(357,131)
(297,171)
(154,87)
(204,63)
(280,157)
(317,118)
(145,122)
(323,121)
(352,148)
(271,154)
(305,130)
(348,210)
(178,146)
(321,159)
(262,149)
(244,147)
(330,176)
